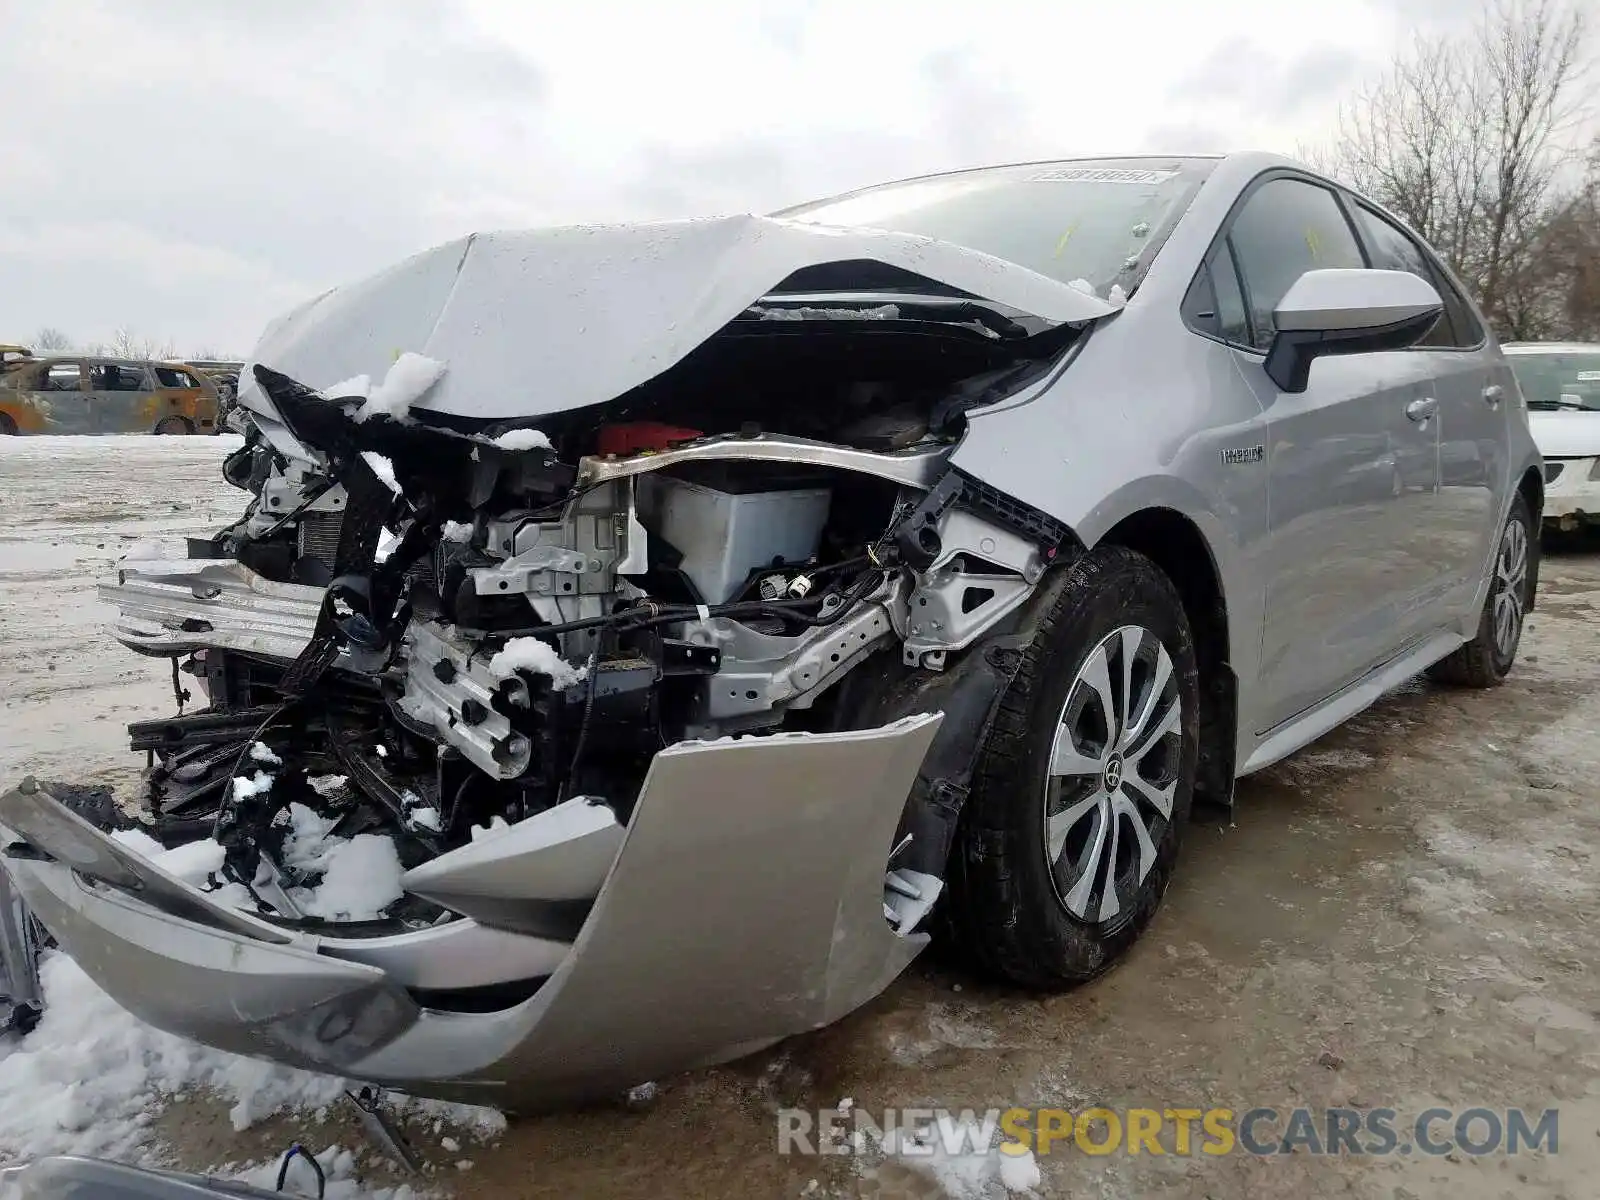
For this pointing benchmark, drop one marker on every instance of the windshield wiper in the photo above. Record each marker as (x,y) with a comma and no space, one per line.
(1559,405)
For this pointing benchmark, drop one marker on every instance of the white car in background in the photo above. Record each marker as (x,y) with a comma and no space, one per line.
(1561,383)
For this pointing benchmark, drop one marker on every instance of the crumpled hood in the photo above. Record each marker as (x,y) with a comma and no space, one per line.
(1566,434)
(541,321)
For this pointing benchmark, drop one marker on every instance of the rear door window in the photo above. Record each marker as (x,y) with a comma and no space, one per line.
(1393,249)
(62,377)
(118,377)
(1286,228)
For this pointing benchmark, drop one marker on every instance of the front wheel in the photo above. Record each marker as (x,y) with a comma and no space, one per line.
(174,425)
(1486,660)
(1083,787)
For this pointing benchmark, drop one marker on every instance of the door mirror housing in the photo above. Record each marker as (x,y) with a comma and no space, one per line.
(1347,311)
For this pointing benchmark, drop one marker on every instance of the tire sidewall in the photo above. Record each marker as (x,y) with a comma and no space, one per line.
(1519,514)
(1114,587)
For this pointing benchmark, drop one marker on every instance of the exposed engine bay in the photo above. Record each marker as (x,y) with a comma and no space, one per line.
(425,630)
(603,599)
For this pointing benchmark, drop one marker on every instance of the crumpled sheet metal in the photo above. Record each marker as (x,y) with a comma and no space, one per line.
(745,905)
(542,321)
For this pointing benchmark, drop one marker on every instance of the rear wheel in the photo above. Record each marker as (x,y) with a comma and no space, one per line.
(1083,788)
(8,427)
(174,425)
(1485,661)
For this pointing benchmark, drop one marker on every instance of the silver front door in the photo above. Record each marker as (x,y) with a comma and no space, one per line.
(1352,466)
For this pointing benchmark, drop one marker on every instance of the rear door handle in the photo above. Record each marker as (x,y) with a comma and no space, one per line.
(1494,393)
(1421,410)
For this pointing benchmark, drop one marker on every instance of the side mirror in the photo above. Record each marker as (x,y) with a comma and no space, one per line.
(1347,311)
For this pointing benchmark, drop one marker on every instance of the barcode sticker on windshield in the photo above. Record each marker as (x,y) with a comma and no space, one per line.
(1101,175)
(1588,377)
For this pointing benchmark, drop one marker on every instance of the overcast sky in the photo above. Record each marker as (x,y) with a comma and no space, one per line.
(191,168)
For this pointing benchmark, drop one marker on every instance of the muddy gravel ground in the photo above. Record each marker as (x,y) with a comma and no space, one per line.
(1405,914)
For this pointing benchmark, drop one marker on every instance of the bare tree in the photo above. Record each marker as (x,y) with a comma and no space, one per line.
(125,343)
(51,338)
(1469,139)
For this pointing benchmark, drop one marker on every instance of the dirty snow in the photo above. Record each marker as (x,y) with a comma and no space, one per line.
(407,379)
(530,654)
(523,439)
(963,1157)
(456,531)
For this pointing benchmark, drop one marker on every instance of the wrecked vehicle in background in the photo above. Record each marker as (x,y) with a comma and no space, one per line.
(92,394)
(639,637)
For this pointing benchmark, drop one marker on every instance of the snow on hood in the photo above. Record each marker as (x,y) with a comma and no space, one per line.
(1565,434)
(541,321)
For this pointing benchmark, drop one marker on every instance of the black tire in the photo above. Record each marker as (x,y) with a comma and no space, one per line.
(8,427)
(1486,660)
(1006,910)
(174,425)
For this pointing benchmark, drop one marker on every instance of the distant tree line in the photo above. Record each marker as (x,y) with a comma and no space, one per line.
(1483,141)
(124,343)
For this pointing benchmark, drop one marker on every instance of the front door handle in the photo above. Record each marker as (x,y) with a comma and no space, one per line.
(1494,393)
(1421,410)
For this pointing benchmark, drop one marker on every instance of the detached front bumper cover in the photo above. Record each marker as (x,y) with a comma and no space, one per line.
(744,903)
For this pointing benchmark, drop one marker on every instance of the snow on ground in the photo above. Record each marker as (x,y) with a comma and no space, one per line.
(91,1077)
(966,1160)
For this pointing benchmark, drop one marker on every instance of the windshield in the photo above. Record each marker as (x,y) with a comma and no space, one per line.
(1091,221)
(1559,380)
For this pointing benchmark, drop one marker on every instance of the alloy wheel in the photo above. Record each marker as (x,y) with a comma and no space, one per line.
(1510,587)
(1113,774)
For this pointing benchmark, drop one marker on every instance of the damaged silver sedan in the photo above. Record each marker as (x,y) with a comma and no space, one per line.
(638,639)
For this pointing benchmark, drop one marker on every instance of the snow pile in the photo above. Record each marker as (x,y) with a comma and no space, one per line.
(404,384)
(338,1167)
(360,875)
(523,439)
(91,1077)
(530,654)
(264,754)
(963,1156)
